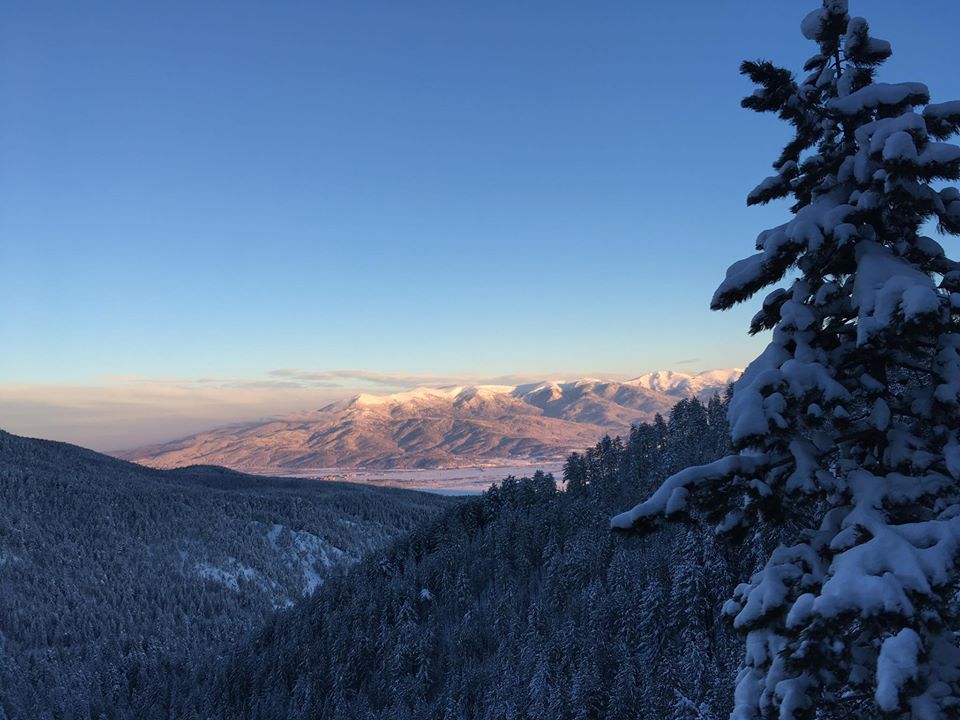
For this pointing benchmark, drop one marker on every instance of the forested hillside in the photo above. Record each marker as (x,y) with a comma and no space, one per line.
(519,604)
(120,586)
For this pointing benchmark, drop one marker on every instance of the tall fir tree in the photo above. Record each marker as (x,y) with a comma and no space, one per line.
(848,424)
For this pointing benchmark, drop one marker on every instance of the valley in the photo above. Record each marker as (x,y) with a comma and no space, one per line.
(467,480)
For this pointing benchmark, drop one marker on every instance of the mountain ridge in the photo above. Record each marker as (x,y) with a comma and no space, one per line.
(439,427)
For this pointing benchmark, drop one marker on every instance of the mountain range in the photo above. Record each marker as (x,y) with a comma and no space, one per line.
(439,427)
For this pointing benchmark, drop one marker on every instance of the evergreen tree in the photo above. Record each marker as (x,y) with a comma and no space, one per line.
(624,693)
(718,437)
(687,618)
(575,473)
(848,424)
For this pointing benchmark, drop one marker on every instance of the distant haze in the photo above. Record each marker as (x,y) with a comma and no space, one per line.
(117,413)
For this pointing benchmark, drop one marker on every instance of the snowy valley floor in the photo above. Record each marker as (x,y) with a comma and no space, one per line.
(445,481)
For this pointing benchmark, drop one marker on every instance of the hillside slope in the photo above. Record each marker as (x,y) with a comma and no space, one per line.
(439,427)
(518,604)
(119,583)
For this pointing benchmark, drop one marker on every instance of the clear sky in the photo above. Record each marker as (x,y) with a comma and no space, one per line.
(197,195)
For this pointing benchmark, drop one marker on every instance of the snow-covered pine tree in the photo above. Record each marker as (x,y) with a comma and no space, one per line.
(848,424)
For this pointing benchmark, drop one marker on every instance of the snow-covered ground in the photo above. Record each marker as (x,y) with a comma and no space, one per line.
(447,481)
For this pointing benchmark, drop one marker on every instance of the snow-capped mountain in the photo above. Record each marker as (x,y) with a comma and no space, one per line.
(439,427)
(680,384)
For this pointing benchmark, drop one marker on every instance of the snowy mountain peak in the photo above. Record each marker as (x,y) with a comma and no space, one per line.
(681,384)
(420,394)
(452,393)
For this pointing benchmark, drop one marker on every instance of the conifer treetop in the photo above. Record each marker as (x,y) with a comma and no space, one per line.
(847,424)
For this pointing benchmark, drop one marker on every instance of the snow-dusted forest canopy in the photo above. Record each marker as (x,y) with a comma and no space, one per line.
(121,585)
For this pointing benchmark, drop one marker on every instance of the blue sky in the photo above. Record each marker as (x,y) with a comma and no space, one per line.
(220,190)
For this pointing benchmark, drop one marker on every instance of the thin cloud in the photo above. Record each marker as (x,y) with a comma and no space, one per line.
(361,377)
(387,380)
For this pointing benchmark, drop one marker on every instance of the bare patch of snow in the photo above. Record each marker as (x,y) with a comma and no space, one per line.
(230,574)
